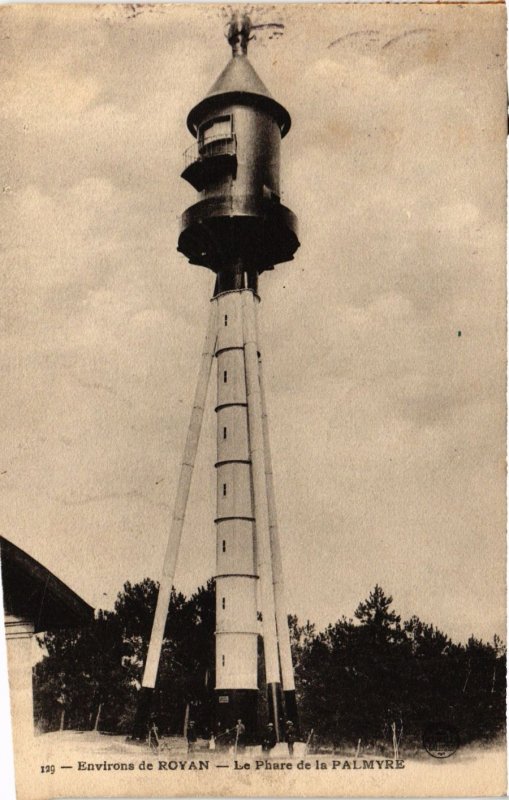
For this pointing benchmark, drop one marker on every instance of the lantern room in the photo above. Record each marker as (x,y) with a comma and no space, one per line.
(239,225)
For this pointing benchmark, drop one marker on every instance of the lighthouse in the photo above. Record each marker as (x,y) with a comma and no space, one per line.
(238,228)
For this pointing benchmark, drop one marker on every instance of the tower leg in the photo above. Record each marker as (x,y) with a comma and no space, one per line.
(283,634)
(143,711)
(170,558)
(263,548)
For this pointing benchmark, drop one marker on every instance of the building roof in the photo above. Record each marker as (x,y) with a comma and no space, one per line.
(239,75)
(32,592)
(239,83)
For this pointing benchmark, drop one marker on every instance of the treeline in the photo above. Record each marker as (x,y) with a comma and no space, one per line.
(90,677)
(369,678)
(378,677)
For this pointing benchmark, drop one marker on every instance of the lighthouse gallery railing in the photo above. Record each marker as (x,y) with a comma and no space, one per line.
(220,145)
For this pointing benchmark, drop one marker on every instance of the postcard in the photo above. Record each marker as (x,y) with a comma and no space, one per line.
(253,424)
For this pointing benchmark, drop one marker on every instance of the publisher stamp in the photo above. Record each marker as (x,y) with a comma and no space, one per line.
(441,740)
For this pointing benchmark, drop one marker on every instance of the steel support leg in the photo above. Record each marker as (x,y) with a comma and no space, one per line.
(263,547)
(170,558)
(283,633)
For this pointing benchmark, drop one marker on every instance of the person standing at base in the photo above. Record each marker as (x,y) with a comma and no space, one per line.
(290,736)
(269,740)
(240,736)
(153,734)
(191,737)
(219,737)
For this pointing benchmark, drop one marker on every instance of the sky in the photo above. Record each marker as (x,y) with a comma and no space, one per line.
(387,425)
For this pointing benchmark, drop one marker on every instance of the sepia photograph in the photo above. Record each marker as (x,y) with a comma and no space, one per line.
(253,407)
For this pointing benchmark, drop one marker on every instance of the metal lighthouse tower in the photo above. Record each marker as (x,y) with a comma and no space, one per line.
(238,229)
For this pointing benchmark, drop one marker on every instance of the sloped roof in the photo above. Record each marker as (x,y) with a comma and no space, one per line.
(239,75)
(239,83)
(32,592)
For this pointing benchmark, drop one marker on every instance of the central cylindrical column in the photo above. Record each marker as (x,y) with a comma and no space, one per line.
(236,610)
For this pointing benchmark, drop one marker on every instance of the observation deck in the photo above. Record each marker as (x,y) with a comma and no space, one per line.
(210,160)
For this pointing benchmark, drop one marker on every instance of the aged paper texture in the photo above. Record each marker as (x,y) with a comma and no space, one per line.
(337,622)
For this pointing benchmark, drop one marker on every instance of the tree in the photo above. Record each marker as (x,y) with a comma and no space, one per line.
(375,614)
(356,679)
(102,665)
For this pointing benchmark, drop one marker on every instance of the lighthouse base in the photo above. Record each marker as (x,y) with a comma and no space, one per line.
(232,705)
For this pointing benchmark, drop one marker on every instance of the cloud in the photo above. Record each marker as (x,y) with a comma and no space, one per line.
(386,425)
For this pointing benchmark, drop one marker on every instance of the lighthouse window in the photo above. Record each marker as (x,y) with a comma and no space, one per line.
(226,320)
(224,433)
(224,489)
(224,546)
(218,128)
(223,602)
(223,660)
(225,376)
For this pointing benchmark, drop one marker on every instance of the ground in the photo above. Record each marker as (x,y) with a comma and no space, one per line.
(124,769)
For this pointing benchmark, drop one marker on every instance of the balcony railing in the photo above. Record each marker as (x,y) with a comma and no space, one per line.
(220,145)
(210,160)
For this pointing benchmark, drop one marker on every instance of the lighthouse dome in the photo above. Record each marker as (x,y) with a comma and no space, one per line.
(239,226)
(239,84)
